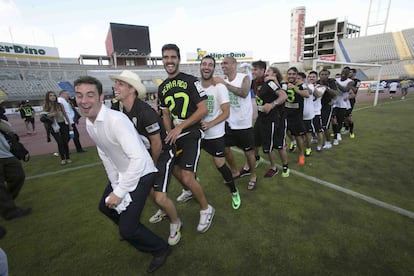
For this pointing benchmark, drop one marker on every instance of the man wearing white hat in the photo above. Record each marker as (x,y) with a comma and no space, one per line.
(128,89)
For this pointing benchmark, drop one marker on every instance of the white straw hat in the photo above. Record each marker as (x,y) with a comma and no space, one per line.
(132,79)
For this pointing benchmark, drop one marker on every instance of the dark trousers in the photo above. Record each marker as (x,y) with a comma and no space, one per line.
(62,140)
(76,138)
(130,227)
(11,182)
(340,117)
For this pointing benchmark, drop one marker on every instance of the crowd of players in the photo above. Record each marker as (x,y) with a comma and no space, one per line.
(142,149)
(315,103)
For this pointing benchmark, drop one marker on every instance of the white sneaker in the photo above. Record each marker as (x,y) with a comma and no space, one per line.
(206,218)
(175,233)
(185,196)
(339,137)
(327,145)
(335,142)
(159,216)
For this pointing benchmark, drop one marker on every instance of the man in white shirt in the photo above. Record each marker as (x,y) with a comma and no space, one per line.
(393,88)
(129,166)
(342,104)
(213,124)
(239,127)
(64,100)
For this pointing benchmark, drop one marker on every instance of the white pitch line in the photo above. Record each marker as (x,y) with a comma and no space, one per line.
(311,178)
(63,171)
(347,191)
(368,199)
(386,103)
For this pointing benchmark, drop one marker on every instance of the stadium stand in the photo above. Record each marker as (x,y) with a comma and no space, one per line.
(409,38)
(373,48)
(393,50)
(402,46)
(24,79)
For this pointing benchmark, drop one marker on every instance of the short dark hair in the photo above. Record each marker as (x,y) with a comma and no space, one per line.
(294,69)
(260,64)
(89,80)
(171,47)
(325,70)
(210,57)
(303,75)
(353,70)
(313,72)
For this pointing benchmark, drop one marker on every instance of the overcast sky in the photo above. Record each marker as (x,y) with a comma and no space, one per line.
(80,27)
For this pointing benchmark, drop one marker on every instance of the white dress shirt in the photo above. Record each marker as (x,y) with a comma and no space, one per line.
(122,151)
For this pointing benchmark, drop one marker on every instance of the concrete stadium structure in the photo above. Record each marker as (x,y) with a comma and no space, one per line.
(29,79)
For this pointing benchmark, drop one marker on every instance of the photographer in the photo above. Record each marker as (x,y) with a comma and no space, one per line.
(11,178)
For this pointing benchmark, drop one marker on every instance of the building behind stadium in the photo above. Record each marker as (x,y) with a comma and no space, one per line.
(27,72)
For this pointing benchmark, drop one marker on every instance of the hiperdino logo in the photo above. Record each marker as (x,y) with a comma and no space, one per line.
(19,49)
(220,55)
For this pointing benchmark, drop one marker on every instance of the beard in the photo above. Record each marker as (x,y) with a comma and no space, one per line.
(207,76)
(171,70)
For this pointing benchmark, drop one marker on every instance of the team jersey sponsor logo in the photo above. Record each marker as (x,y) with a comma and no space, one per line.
(273,85)
(153,128)
(200,88)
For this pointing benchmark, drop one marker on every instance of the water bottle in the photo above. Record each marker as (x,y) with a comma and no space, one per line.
(71,134)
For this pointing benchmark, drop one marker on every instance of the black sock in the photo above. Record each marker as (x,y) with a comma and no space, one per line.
(228,177)
(351,127)
(257,157)
(285,167)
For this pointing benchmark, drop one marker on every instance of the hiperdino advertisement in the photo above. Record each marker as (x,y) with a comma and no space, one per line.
(27,51)
(238,55)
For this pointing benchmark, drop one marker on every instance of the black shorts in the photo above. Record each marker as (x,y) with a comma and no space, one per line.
(188,151)
(29,119)
(317,123)
(257,132)
(339,115)
(165,165)
(326,116)
(309,127)
(273,135)
(214,147)
(241,138)
(295,125)
(348,113)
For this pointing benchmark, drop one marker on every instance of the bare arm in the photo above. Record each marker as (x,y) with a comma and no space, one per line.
(166,117)
(242,91)
(62,109)
(304,93)
(282,97)
(225,112)
(156,147)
